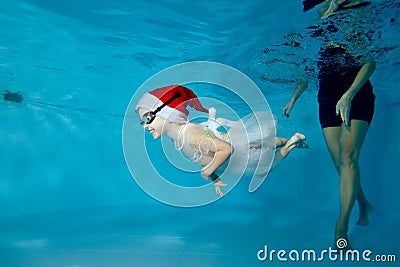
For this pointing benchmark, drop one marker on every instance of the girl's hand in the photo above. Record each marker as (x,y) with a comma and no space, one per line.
(343,109)
(217,184)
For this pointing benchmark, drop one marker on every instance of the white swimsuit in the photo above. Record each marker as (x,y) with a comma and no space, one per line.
(251,137)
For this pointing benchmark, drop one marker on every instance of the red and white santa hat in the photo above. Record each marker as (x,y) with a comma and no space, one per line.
(175,111)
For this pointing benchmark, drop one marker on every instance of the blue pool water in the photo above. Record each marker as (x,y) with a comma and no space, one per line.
(67,197)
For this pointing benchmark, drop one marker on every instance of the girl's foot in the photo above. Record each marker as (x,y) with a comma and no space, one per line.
(295,141)
(301,144)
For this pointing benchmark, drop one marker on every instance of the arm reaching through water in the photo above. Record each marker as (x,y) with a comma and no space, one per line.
(300,88)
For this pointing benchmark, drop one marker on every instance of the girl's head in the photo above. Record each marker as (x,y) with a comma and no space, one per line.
(166,104)
(155,125)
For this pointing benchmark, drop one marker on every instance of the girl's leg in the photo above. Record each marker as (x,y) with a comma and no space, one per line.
(284,146)
(280,142)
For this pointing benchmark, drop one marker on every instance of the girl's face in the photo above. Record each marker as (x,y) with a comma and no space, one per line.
(156,127)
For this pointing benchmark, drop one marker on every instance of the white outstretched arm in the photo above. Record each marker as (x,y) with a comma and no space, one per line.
(214,123)
(225,122)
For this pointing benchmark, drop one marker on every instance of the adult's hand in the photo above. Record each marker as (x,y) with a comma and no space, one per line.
(343,109)
(287,108)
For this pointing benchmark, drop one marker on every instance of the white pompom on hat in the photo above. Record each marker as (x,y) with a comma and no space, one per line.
(175,111)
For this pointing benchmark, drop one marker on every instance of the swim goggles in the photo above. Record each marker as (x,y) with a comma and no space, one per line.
(149,117)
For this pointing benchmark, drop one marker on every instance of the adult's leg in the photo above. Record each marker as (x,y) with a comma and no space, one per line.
(351,141)
(332,140)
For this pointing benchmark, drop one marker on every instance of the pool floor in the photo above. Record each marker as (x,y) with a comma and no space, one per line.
(166,236)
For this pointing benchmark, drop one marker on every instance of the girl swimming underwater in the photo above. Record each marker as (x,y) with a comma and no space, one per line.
(249,146)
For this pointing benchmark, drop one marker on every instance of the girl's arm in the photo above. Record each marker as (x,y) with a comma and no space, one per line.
(221,149)
(344,104)
(210,147)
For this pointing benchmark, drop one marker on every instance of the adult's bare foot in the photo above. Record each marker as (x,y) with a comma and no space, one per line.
(363,219)
(341,238)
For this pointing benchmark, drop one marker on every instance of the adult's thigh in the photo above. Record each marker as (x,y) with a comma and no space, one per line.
(332,141)
(352,138)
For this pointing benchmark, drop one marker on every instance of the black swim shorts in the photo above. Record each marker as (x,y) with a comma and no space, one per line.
(362,107)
